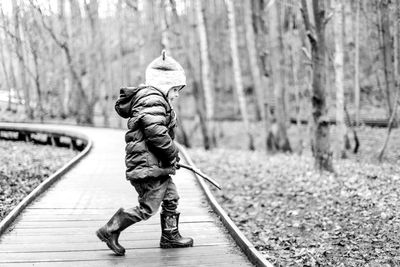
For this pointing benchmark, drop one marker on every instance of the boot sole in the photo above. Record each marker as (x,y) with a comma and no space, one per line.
(169,245)
(104,239)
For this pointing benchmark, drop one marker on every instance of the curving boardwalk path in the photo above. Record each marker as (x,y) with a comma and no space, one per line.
(58,228)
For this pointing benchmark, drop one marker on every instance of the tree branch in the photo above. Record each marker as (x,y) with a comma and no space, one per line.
(306,53)
(132,4)
(328,18)
(307,23)
(8,32)
(63,45)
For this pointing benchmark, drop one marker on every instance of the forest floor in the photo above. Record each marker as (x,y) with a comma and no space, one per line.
(23,167)
(297,216)
(294,215)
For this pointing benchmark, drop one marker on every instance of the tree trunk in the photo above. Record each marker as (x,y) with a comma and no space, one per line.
(36,75)
(198,97)
(397,85)
(387,51)
(21,61)
(13,81)
(123,61)
(84,109)
(320,143)
(200,113)
(262,26)
(182,136)
(76,60)
(63,83)
(237,71)
(253,58)
(294,67)
(357,64)
(98,62)
(254,67)
(4,65)
(164,26)
(205,71)
(279,131)
(339,78)
(153,35)
(38,85)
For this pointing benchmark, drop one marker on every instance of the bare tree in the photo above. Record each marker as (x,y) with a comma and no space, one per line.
(294,68)
(205,72)
(397,80)
(32,33)
(85,108)
(181,40)
(278,136)
(339,78)
(165,24)
(254,66)
(3,59)
(320,143)
(21,60)
(387,52)
(357,64)
(63,83)
(237,71)
(98,61)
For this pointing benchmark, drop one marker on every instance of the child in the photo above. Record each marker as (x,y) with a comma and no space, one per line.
(151,155)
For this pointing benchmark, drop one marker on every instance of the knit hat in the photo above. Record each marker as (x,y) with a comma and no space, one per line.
(165,72)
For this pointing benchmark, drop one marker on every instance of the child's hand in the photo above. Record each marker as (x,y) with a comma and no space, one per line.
(174,163)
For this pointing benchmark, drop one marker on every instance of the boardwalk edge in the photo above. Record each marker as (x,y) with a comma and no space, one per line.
(42,187)
(247,247)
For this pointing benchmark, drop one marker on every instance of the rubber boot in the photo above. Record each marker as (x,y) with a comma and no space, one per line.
(110,232)
(170,236)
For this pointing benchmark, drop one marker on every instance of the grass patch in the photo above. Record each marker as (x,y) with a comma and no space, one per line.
(299,217)
(23,167)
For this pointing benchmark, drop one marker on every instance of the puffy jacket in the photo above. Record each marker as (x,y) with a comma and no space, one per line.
(149,141)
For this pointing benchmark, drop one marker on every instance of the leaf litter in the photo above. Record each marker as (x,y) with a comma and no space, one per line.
(297,216)
(23,166)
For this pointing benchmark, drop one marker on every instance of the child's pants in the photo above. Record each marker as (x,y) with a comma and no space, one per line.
(153,193)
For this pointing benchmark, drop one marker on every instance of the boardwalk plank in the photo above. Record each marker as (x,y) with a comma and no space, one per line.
(50,240)
(67,220)
(95,245)
(132,262)
(149,253)
(44,231)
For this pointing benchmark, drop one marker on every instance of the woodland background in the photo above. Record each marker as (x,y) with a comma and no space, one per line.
(253,61)
(291,105)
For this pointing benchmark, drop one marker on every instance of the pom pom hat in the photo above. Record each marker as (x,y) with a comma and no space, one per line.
(165,72)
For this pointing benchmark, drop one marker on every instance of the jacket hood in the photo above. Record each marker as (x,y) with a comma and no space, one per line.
(130,96)
(123,106)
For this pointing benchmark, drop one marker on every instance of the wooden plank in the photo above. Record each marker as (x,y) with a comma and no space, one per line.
(91,237)
(122,261)
(98,245)
(112,204)
(37,221)
(110,211)
(73,230)
(153,254)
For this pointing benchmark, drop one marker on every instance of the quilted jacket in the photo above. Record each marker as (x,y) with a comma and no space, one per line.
(149,141)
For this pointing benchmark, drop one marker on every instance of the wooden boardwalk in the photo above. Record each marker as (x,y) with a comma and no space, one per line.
(58,229)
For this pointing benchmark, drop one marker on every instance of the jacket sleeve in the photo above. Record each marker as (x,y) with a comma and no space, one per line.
(153,122)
